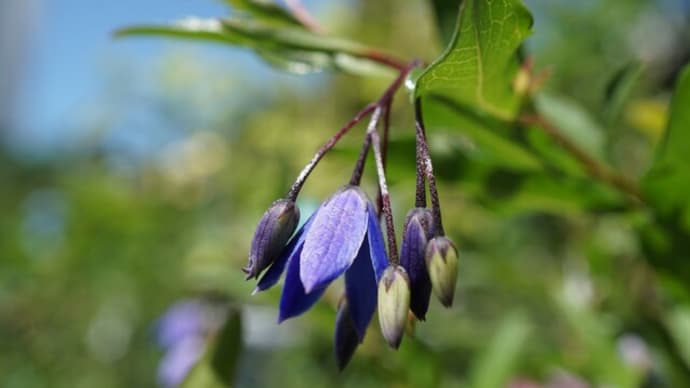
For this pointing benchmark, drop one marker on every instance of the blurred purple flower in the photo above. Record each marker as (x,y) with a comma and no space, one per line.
(634,351)
(182,320)
(179,360)
(182,333)
(343,236)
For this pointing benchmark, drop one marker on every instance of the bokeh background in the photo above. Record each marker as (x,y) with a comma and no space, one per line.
(133,172)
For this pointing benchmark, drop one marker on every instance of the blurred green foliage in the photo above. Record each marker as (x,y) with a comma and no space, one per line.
(564,279)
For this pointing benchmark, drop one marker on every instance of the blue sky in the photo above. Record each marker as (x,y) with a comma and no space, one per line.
(67,45)
(70,44)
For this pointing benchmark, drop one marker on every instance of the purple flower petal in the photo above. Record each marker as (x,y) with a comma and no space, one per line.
(294,300)
(412,258)
(334,238)
(361,290)
(291,251)
(377,249)
(345,337)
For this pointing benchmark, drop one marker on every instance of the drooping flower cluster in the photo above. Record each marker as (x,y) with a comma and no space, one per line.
(344,236)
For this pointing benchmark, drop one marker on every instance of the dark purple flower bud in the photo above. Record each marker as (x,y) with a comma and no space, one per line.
(292,251)
(442,264)
(417,231)
(335,236)
(345,338)
(272,233)
(394,303)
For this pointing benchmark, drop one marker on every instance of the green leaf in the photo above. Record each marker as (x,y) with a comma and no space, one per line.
(574,122)
(190,28)
(227,348)
(480,63)
(679,325)
(510,173)
(619,89)
(217,367)
(290,48)
(509,194)
(667,184)
(667,189)
(552,153)
(296,38)
(265,11)
(444,11)
(487,140)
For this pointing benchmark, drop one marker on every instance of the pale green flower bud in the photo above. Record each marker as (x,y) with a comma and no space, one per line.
(442,264)
(394,303)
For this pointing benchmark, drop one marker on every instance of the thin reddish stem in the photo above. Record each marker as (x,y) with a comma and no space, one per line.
(384,59)
(361,161)
(385,99)
(300,12)
(297,186)
(593,166)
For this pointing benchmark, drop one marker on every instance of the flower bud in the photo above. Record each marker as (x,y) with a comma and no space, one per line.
(442,264)
(394,303)
(272,233)
(417,231)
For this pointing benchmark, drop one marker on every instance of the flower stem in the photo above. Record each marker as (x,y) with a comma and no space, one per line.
(361,160)
(383,188)
(382,105)
(420,192)
(299,182)
(302,15)
(384,149)
(384,59)
(386,129)
(593,167)
(423,149)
